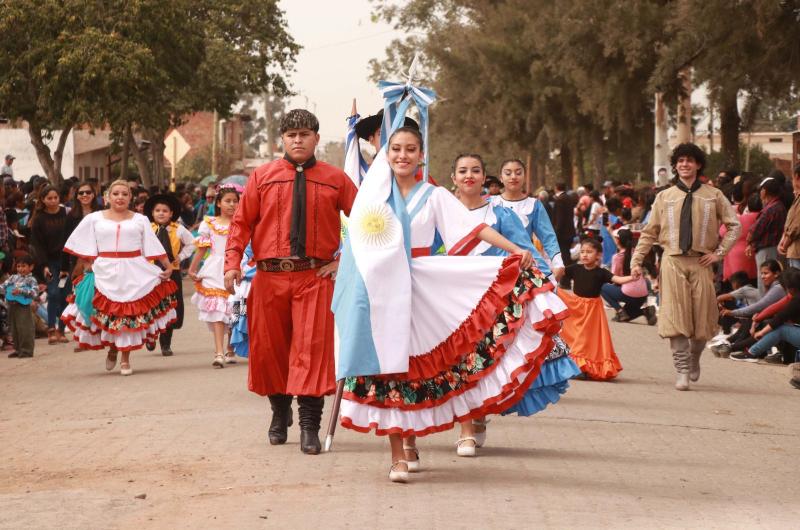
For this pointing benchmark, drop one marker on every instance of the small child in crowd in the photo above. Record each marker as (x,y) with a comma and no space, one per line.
(20,290)
(586,328)
(210,296)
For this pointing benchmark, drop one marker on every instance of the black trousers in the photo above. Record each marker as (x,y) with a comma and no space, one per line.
(165,339)
(23,330)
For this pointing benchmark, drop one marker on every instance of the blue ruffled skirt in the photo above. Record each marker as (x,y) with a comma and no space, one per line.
(552,382)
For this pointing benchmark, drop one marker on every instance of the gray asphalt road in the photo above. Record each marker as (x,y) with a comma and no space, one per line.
(80,444)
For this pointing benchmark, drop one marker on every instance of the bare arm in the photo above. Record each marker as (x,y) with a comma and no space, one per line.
(494,238)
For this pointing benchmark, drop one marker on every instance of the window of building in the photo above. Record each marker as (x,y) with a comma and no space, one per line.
(775,140)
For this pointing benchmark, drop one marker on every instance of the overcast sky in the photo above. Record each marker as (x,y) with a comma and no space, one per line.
(338,40)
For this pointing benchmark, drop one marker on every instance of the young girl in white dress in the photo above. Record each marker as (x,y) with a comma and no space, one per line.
(134,300)
(210,297)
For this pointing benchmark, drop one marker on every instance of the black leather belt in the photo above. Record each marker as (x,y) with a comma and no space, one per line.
(290,264)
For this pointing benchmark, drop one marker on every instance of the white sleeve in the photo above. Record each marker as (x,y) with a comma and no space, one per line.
(83,241)
(187,243)
(454,223)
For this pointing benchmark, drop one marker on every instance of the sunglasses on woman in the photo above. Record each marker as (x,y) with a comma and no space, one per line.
(85,192)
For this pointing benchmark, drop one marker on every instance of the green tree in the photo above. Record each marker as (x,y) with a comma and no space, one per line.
(760,58)
(134,64)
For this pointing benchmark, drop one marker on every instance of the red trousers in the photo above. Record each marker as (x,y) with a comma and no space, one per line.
(290,324)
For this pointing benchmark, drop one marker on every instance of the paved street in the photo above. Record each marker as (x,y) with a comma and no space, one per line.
(80,444)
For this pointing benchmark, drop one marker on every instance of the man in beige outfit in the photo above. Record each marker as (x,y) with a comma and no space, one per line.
(685,222)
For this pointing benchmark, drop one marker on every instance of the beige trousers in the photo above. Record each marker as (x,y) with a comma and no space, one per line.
(688,301)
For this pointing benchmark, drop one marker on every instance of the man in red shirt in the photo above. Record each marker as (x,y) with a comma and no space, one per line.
(290,210)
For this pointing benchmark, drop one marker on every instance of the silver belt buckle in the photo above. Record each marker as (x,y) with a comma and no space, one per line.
(286,265)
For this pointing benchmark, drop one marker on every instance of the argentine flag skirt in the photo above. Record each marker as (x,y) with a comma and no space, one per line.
(481,330)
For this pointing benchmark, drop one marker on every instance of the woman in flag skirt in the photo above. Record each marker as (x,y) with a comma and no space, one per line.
(429,341)
(134,299)
(469,174)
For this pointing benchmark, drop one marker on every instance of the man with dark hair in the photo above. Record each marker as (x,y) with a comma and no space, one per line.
(789,245)
(685,222)
(564,220)
(290,210)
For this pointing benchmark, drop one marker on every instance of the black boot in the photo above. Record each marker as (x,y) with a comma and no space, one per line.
(281,418)
(310,412)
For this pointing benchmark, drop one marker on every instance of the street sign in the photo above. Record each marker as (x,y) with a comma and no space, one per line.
(175,147)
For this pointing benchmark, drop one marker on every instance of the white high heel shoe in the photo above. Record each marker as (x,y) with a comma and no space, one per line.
(466,449)
(413,465)
(398,475)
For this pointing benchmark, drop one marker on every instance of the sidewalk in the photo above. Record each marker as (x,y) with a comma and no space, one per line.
(80,444)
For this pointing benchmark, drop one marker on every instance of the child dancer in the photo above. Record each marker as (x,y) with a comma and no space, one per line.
(211,297)
(134,300)
(20,290)
(469,174)
(164,211)
(240,341)
(586,328)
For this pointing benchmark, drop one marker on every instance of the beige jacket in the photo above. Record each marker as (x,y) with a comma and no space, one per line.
(791,230)
(710,209)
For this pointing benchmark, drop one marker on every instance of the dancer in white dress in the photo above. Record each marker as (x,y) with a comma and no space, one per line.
(211,297)
(428,341)
(134,300)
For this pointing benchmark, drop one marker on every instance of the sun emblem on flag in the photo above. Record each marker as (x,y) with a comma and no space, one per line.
(376,225)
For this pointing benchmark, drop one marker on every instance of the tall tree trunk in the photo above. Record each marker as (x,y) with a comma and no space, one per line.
(566,162)
(684,122)
(599,156)
(729,126)
(50,164)
(580,179)
(126,149)
(140,158)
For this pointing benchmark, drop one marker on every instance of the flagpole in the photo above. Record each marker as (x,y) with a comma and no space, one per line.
(337,399)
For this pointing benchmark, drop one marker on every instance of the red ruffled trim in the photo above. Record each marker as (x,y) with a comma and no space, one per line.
(74,325)
(135,307)
(512,393)
(600,371)
(449,352)
(541,351)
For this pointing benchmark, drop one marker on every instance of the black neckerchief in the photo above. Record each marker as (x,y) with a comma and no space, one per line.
(685,239)
(297,233)
(162,233)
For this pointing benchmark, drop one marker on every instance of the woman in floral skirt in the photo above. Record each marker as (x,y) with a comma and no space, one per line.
(429,341)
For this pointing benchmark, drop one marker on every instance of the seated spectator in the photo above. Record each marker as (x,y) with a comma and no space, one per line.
(783,327)
(628,299)
(770,276)
(742,295)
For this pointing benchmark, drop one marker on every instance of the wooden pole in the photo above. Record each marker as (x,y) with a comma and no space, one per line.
(334,419)
(174,163)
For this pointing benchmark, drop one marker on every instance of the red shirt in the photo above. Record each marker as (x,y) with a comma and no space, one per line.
(265,212)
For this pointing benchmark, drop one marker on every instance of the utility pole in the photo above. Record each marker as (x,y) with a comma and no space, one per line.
(268,115)
(214,145)
(661,144)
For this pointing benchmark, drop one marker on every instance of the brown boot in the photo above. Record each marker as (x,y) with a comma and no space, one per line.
(51,336)
(60,337)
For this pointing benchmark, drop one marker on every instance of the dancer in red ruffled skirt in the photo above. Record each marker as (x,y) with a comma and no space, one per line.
(134,299)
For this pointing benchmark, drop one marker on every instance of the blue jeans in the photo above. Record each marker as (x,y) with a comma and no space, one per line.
(786,333)
(794,263)
(56,296)
(613,295)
